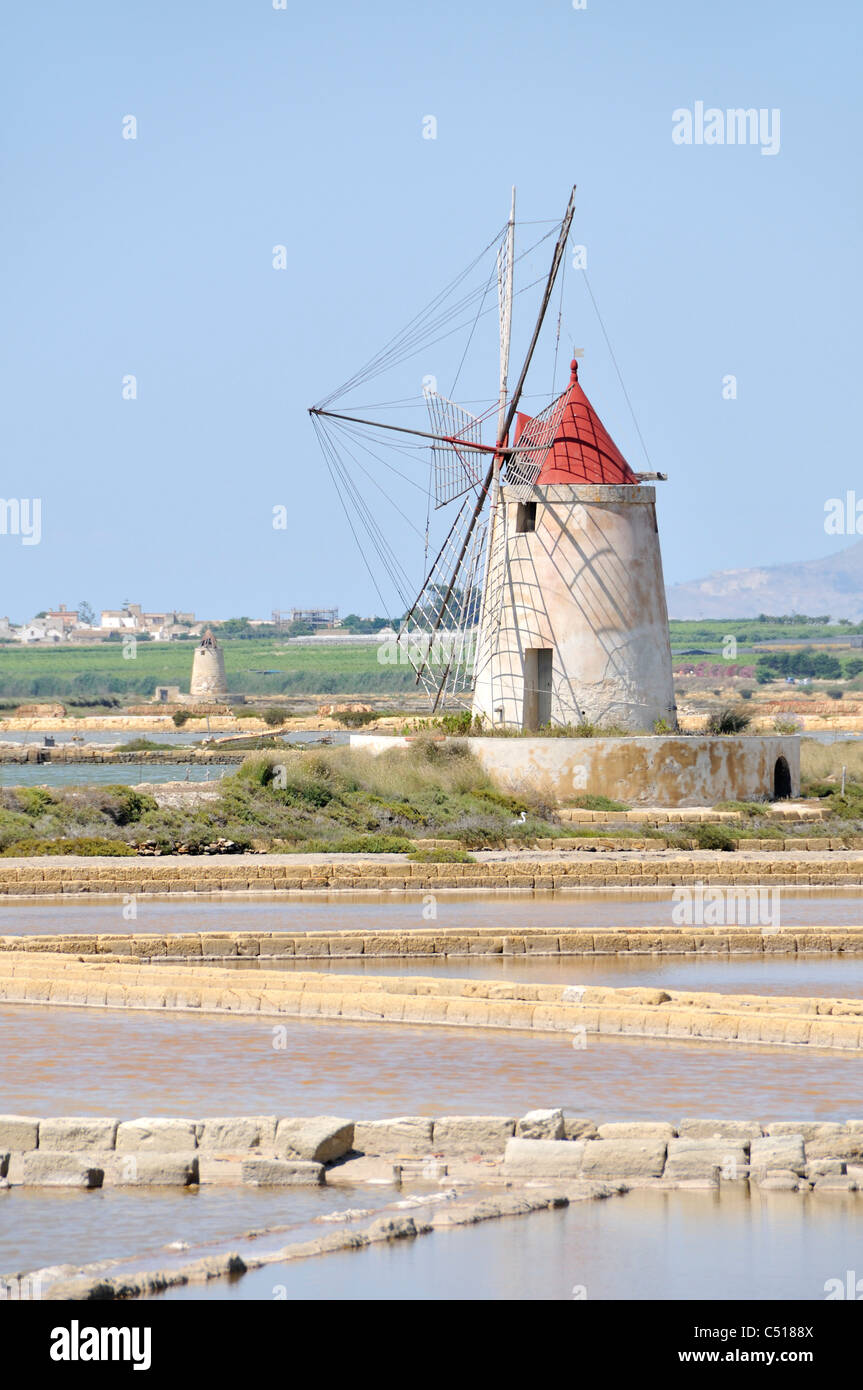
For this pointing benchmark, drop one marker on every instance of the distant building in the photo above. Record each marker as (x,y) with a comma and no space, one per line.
(41,630)
(132,618)
(62,618)
(314,617)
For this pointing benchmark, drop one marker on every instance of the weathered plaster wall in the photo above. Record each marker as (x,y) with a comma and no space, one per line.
(657,770)
(587,583)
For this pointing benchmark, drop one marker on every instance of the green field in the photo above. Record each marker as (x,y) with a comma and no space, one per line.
(101,669)
(751,632)
(271,666)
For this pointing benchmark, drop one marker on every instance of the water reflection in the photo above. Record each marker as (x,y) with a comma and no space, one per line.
(503,912)
(645,1245)
(69,1061)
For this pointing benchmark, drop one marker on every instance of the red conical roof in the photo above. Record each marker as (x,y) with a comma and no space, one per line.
(583,451)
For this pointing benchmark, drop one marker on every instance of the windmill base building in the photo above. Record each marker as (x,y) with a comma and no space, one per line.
(574,627)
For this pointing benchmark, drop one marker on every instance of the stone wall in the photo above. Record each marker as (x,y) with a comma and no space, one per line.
(38,977)
(441,943)
(242,873)
(586,585)
(265,1150)
(659,770)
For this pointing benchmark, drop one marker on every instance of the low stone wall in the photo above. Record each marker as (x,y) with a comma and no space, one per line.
(249,873)
(86,1152)
(664,770)
(780,812)
(442,943)
(803,1021)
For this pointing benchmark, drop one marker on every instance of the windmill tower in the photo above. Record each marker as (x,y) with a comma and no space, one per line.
(208,670)
(545,603)
(575,627)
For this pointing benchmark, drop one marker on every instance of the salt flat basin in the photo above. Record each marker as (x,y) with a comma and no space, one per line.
(644,1245)
(111,774)
(834,976)
(39,1228)
(506,912)
(126,1063)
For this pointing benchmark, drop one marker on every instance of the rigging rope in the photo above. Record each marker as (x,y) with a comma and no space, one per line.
(415,337)
(617,369)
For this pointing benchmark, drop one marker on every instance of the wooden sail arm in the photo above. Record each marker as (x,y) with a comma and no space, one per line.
(560,247)
(453,439)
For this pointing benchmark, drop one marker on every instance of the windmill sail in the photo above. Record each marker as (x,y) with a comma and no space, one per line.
(438,636)
(535,436)
(455,469)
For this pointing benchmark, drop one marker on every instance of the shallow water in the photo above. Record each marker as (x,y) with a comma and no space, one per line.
(69,1061)
(39,1228)
(179,737)
(504,912)
(644,1245)
(115,774)
(829,976)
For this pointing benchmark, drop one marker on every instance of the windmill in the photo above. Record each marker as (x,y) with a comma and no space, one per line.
(480,629)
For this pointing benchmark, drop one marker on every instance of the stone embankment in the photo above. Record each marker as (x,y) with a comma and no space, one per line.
(443,942)
(264,1150)
(780,811)
(69,753)
(269,873)
(56,979)
(546,1159)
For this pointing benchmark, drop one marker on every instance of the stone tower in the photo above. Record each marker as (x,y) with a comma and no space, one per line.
(575,626)
(208,670)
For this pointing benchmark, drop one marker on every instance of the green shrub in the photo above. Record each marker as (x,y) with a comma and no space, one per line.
(35,801)
(83,845)
(440,856)
(356,718)
(141,745)
(353,844)
(708,836)
(273,716)
(128,805)
(259,771)
(728,721)
(13,826)
(589,802)
(180,717)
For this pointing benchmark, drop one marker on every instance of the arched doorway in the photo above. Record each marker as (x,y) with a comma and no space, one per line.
(781,780)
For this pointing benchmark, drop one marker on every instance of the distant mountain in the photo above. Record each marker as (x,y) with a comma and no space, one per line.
(833,585)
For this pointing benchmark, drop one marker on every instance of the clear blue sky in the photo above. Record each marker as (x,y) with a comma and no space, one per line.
(304,127)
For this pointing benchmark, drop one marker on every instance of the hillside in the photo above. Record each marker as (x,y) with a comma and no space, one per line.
(833,585)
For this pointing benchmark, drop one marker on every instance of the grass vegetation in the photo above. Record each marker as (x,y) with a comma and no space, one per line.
(335,799)
(343,800)
(728,721)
